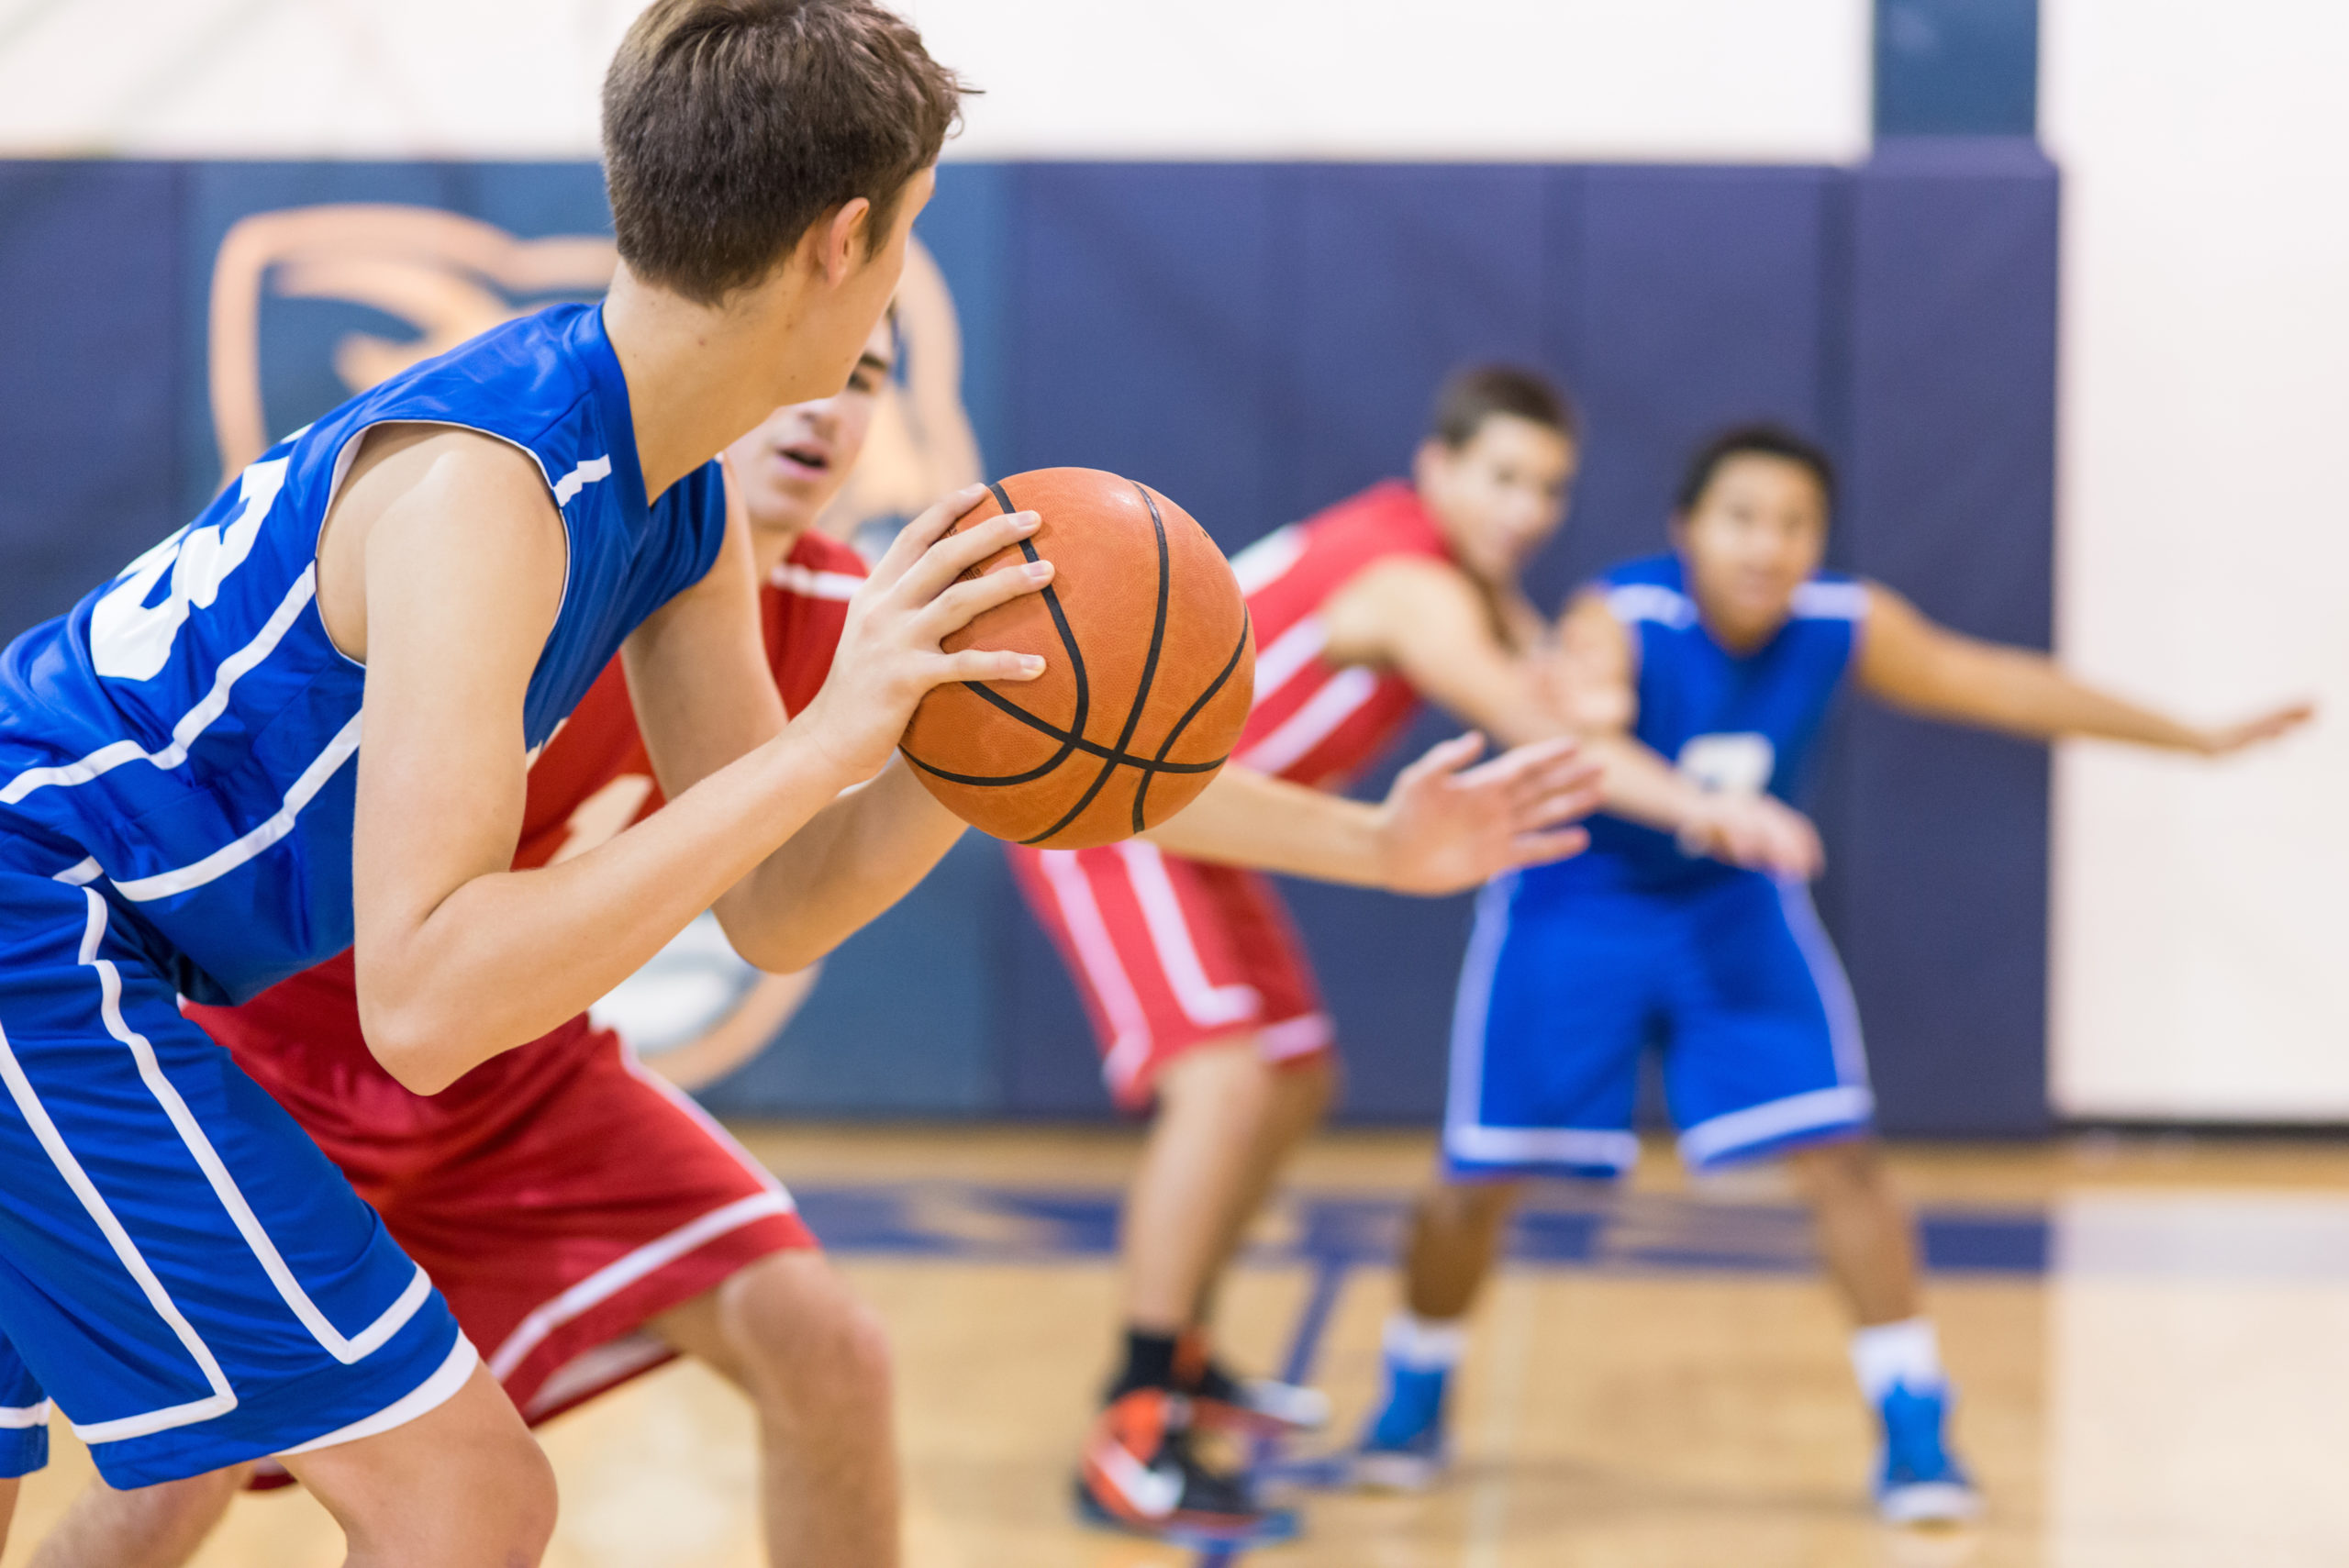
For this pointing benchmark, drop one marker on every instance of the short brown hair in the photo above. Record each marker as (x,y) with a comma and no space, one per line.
(731,125)
(1473,395)
(1760,438)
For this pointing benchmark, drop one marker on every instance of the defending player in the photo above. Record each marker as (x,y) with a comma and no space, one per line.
(1722,656)
(451,558)
(1198,990)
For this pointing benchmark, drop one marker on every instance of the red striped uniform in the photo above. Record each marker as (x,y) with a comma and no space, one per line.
(1171,953)
(558,1194)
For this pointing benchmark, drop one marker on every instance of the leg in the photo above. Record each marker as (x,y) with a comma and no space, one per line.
(147,1527)
(1455,1234)
(1864,1231)
(1213,1150)
(462,1485)
(815,1361)
(7,1508)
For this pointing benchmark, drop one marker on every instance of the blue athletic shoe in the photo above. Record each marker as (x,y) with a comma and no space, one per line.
(1919,1483)
(1406,1449)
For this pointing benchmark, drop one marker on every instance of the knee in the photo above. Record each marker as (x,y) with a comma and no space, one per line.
(808,1344)
(1468,1205)
(1849,1168)
(514,1489)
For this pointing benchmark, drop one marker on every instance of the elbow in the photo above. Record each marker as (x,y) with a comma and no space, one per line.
(410,1045)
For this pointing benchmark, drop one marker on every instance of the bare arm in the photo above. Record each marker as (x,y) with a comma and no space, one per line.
(1428,622)
(1446,826)
(458,956)
(740,1034)
(1929,670)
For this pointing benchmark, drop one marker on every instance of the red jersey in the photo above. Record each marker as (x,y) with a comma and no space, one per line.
(301,1037)
(1316,722)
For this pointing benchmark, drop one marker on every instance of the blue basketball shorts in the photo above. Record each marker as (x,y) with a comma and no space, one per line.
(1566,986)
(182,1271)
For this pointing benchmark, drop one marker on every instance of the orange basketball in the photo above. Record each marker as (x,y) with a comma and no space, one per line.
(1149,670)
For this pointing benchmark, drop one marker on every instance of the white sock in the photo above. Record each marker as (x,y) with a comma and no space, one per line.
(1425,1344)
(1907,1353)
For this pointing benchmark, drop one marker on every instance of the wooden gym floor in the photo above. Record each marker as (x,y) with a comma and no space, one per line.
(2150,1337)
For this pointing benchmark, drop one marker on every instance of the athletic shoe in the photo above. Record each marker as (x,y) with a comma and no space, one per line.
(1254,1406)
(1406,1449)
(1140,1476)
(1919,1483)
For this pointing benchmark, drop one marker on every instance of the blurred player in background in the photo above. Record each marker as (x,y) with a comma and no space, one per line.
(1722,656)
(1200,994)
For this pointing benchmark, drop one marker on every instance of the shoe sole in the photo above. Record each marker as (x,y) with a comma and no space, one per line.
(1390,1471)
(1929,1503)
(1270,1527)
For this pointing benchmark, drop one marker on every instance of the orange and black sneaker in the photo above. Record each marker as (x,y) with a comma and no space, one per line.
(1253,1407)
(1140,1476)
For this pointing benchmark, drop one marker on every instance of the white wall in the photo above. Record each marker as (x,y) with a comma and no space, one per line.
(1627,79)
(2202,912)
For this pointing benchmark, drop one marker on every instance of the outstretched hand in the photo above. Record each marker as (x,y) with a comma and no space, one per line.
(1447,826)
(889,656)
(2225,738)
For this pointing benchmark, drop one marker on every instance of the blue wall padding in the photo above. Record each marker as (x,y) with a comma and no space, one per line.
(1258,340)
(1943,846)
(91,376)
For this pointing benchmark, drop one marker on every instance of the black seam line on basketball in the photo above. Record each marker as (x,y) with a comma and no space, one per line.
(1070,743)
(1141,687)
(1070,738)
(1142,790)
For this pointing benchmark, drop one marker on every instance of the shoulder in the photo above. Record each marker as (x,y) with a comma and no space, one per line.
(1646,590)
(1833,596)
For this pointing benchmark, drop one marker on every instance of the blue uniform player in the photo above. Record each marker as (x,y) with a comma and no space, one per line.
(303,724)
(1687,927)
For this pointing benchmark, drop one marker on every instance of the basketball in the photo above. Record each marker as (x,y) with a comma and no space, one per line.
(1149,670)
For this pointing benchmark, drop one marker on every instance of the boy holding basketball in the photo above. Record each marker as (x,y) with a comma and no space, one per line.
(453,557)
(1199,992)
(1722,656)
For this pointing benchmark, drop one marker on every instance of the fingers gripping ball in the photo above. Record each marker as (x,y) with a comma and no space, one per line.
(1149,670)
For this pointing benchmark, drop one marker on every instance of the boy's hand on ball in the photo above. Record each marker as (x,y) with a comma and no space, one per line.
(1447,826)
(889,655)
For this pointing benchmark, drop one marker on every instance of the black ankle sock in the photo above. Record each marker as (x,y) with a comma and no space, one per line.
(1149,1363)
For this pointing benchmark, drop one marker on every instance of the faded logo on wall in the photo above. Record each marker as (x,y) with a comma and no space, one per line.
(312,304)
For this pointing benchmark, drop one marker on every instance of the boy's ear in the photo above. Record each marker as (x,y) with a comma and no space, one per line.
(842,239)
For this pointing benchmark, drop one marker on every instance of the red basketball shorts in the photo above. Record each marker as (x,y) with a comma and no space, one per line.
(560,1200)
(1171,954)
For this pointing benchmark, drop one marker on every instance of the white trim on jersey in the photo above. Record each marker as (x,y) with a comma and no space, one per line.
(222,1399)
(192,723)
(1832,601)
(1097,956)
(813,584)
(346,1351)
(1204,1003)
(1294,737)
(1827,976)
(422,1400)
(1291,651)
(1816,1110)
(1651,602)
(229,857)
(1300,1036)
(589,471)
(1465,1137)
(19,1418)
(626,1270)
(1265,561)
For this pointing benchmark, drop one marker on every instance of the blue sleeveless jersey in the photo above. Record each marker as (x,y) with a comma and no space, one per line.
(1732,721)
(184,739)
